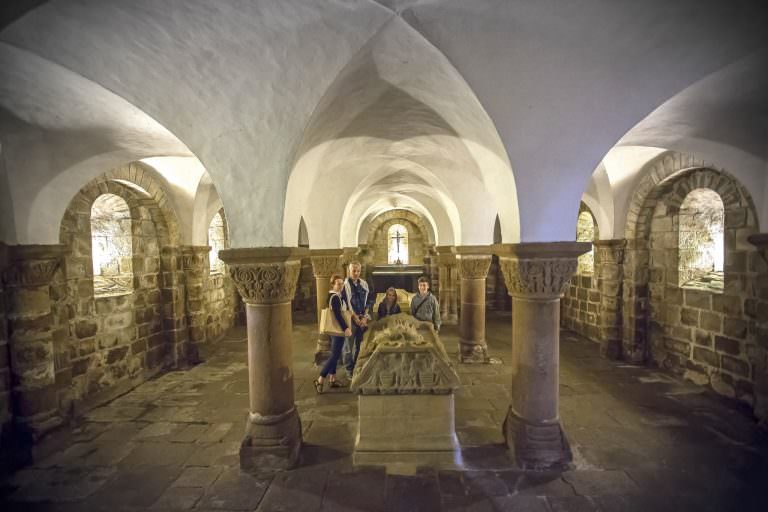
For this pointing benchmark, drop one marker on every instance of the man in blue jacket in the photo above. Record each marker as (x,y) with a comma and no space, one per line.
(358,297)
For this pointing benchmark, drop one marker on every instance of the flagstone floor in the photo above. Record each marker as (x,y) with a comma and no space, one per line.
(642,441)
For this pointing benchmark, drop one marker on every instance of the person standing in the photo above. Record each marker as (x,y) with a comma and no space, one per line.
(424,305)
(389,305)
(337,342)
(358,297)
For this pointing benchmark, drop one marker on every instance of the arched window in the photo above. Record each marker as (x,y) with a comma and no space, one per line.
(111,245)
(217,239)
(397,237)
(701,243)
(585,232)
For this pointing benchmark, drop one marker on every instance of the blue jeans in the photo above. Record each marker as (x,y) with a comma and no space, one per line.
(337,342)
(352,348)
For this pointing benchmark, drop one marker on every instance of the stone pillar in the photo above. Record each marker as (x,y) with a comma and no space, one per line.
(325,262)
(30,324)
(446,257)
(473,269)
(266,279)
(760,313)
(174,307)
(196,265)
(536,275)
(609,274)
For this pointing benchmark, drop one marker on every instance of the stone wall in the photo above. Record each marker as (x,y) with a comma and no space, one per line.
(709,336)
(496,296)
(579,306)
(581,302)
(378,236)
(6,413)
(104,345)
(304,300)
(221,304)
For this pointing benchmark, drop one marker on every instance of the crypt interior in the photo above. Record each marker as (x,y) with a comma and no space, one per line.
(583,184)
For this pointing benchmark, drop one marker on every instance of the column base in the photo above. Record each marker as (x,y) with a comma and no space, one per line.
(541,447)
(610,349)
(322,350)
(271,443)
(473,353)
(33,428)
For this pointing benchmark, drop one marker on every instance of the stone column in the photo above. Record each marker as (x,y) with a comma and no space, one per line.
(536,275)
(325,262)
(175,329)
(760,313)
(196,265)
(266,279)
(446,257)
(473,269)
(30,324)
(609,274)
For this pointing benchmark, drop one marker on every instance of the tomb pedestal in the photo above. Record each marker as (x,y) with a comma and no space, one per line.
(266,279)
(405,386)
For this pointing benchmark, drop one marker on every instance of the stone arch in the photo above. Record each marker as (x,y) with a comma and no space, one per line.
(419,242)
(105,343)
(136,174)
(666,323)
(592,233)
(217,240)
(303,234)
(659,170)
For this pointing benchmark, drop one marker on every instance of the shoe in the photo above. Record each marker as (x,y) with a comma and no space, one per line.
(336,384)
(318,386)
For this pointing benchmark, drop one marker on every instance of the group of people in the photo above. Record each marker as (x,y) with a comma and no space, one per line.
(353,294)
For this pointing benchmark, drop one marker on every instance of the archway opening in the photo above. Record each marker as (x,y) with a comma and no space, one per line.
(701,246)
(397,238)
(112,246)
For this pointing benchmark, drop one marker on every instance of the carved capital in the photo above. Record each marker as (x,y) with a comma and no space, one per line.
(194,257)
(472,266)
(32,265)
(610,251)
(325,265)
(266,283)
(264,275)
(540,278)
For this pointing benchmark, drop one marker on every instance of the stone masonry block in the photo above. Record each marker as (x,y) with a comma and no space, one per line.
(737,366)
(698,299)
(689,316)
(735,328)
(728,345)
(711,321)
(706,356)
(702,338)
(731,305)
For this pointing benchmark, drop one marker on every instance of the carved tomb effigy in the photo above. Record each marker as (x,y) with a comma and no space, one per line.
(405,385)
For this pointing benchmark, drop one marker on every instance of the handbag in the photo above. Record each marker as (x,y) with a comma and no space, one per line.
(328,323)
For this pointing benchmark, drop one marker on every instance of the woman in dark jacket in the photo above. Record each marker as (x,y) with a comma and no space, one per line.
(389,305)
(337,342)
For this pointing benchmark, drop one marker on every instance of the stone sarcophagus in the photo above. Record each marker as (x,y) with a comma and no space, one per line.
(405,385)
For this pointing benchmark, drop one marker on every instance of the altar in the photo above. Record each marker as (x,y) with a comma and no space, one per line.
(397,276)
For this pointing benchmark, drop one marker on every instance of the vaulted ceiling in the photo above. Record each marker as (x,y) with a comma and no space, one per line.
(336,111)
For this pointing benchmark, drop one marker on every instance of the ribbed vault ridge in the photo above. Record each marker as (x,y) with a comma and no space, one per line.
(400,128)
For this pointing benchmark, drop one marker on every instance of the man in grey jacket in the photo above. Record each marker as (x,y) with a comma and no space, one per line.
(424,305)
